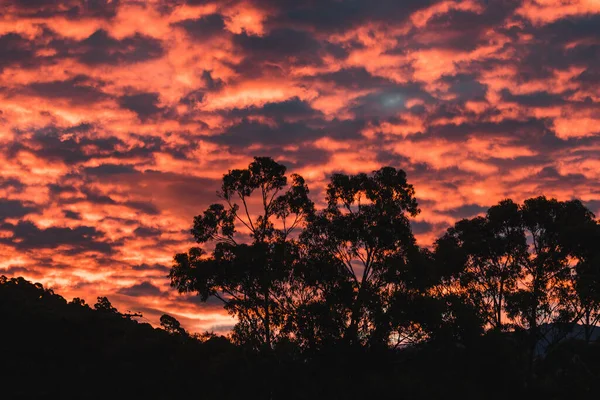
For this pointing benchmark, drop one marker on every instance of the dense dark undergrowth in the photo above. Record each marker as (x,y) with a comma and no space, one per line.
(52,348)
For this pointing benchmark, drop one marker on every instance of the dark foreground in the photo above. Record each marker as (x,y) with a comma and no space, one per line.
(52,348)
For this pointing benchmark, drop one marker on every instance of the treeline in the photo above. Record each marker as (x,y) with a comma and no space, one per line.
(350,277)
(352,274)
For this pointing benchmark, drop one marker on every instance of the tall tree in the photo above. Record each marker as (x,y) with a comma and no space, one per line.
(251,265)
(551,228)
(485,256)
(358,250)
(580,295)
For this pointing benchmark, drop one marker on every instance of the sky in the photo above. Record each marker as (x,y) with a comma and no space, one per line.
(119,118)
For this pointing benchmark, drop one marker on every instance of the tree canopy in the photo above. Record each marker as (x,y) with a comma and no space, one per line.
(352,274)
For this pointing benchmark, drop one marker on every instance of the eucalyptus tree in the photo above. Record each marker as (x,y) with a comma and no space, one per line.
(553,230)
(579,296)
(484,256)
(357,258)
(250,269)
(171,325)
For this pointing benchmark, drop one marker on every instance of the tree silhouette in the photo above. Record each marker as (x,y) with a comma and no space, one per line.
(579,296)
(358,251)
(551,228)
(355,275)
(104,305)
(171,325)
(484,255)
(79,302)
(252,279)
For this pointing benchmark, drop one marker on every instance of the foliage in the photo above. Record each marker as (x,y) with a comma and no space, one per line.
(171,325)
(251,278)
(354,276)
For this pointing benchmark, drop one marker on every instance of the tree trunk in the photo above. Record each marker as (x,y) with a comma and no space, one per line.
(267,321)
(587,327)
(533,329)
(499,310)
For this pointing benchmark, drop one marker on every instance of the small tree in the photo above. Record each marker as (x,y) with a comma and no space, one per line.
(79,302)
(105,306)
(171,325)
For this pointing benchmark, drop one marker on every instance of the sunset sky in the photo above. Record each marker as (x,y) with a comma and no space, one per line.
(118,119)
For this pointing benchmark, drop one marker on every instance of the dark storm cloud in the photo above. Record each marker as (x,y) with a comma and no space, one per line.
(211,84)
(100,48)
(110,169)
(141,289)
(420,227)
(98,198)
(336,15)
(593,205)
(151,267)
(528,131)
(79,89)
(569,29)
(303,157)
(15,270)
(56,189)
(12,183)
(298,47)
(564,43)
(203,28)
(356,78)
(292,108)
(550,177)
(51,143)
(28,236)
(72,9)
(146,232)
(466,211)
(73,145)
(464,30)
(94,196)
(145,105)
(197,96)
(536,99)
(589,78)
(465,87)
(145,207)
(15,209)
(248,132)
(15,50)
(72,215)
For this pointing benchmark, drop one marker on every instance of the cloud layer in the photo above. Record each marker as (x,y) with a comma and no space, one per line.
(118,118)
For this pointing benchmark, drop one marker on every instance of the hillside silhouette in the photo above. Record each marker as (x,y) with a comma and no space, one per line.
(52,348)
(335,303)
